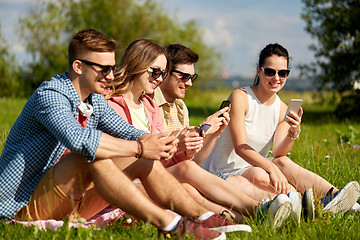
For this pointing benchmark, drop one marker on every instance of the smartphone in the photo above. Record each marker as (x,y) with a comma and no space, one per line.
(224,103)
(174,132)
(202,129)
(294,105)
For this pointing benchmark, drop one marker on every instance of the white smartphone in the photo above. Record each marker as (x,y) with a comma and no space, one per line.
(294,105)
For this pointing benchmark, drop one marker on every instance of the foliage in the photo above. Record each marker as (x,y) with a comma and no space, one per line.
(334,23)
(350,136)
(8,71)
(349,106)
(51,24)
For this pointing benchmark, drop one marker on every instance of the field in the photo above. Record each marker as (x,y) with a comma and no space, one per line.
(327,146)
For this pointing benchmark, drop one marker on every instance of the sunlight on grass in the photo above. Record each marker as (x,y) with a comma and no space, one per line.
(321,149)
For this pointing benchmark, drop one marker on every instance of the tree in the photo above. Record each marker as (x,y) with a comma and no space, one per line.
(51,24)
(8,71)
(335,24)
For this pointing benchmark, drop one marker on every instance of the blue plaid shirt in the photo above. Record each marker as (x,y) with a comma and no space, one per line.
(47,126)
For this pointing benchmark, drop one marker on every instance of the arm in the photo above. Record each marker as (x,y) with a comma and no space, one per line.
(152,144)
(111,123)
(218,124)
(189,144)
(155,147)
(238,131)
(283,142)
(237,127)
(53,110)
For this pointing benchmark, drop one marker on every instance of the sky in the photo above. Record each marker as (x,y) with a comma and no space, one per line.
(239,29)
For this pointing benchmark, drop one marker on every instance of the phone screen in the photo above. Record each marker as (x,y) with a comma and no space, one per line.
(225,103)
(202,129)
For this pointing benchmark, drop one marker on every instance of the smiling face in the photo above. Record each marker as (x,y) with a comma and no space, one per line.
(146,82)
(173,87)
(272,83)
(90,77)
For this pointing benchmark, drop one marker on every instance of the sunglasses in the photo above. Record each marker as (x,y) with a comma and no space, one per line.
(156,73)
(185,76)
(105,69)
(269,72)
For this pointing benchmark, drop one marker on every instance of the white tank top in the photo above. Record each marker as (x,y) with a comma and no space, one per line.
(260,122)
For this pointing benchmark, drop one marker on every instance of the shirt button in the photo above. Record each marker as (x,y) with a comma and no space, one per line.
(58,154)
(75,114)
(77,101)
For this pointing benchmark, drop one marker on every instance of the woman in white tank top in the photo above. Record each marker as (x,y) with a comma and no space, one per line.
(258,122)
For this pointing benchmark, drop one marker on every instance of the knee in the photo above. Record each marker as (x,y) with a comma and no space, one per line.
(238,180)
(260,177)
(186,167)
(282,162)
(190,189)
(144,167)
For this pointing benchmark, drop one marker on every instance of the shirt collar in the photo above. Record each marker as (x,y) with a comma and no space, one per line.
(73,92)
(160,100)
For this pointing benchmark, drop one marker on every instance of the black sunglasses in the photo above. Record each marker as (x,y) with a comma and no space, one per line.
(105,69)
(269,72)
(185,76)
(156,73)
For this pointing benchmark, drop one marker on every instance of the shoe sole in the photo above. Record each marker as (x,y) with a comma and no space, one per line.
(233,228)
(296,206)
(309,205)
(345,199)
(282,214)
(280,210)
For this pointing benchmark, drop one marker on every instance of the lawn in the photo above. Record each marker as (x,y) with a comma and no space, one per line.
(326,146)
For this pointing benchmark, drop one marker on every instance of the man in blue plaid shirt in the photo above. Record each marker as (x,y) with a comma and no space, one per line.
(69,153)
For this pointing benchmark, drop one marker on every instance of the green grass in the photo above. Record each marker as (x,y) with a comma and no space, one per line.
(326,146)
(9,110)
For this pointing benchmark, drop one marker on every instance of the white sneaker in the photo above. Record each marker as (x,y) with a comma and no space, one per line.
(295,198)
(275,211)
(342,200)
(355,208)
(308,205)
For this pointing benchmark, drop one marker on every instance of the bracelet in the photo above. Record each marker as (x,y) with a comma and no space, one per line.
(140,149)
(293,136)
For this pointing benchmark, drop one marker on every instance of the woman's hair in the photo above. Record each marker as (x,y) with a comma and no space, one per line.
(136,60)
(268,51)
(89,40)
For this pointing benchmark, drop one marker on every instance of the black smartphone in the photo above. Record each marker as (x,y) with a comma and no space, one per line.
(224,103)
(202,129)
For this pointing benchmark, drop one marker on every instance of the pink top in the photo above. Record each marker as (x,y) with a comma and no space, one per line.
(153,113)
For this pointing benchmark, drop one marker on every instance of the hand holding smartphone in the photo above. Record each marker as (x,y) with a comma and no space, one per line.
(202,129)
(224,103)
(294,105)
